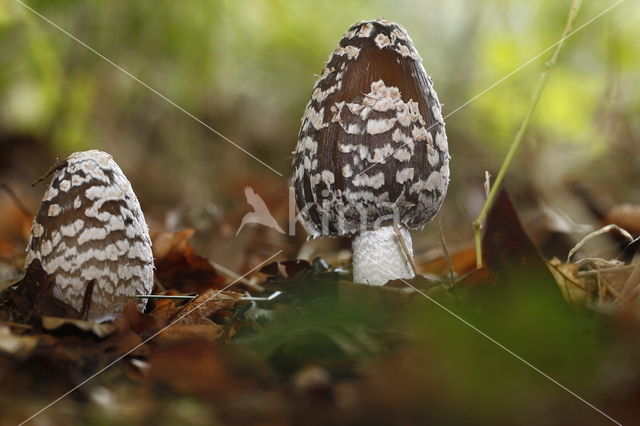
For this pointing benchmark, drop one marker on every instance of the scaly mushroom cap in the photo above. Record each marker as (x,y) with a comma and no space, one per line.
(90,228)
(372,150)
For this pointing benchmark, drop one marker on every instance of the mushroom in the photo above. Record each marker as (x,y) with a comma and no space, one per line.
(372,159)
(91,237)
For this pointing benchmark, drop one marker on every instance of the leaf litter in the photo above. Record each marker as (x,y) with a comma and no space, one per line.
(326,351)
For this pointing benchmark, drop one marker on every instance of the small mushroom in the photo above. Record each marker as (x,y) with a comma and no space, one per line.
(372,153)
(91,237)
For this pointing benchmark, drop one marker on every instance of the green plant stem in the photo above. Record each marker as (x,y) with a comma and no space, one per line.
(542,82)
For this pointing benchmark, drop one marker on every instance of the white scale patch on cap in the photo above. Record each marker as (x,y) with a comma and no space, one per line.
(54,210)
(90,227)
(365,30)
(404,175)
(37,230)
(376,181)
(352,52)
(382,41)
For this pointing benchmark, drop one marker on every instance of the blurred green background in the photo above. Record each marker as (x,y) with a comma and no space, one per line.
(246,68)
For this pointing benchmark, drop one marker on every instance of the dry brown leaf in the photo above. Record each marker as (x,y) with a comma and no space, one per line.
(32,298)
(204,306)
(477,278)
(463,262)
(505,243)
(64,325)
(178,267)
(177,332)
(191,367)
(15,224)
(165,309)
(15,345)
(134,320)
(575,289)
(626,216)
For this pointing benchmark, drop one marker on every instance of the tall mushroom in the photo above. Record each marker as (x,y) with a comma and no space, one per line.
(372,153)
(90,231)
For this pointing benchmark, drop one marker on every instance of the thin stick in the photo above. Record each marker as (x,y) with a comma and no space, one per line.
(272,296)
(19,204)
(612,270)
(87,299)
(601,288)
(594,234)
(52,169)
(446,252)
(477,224)
(632,278)
(613,291)
(405,249)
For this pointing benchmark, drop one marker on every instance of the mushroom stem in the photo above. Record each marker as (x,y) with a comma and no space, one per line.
(378,256)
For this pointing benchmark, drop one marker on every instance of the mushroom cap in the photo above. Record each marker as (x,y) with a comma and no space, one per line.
(372,150)
(90,227)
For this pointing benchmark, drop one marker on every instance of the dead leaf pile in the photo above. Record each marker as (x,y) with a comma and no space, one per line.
(179,268)
(326,351)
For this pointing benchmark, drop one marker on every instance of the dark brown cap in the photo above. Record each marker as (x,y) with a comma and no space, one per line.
(372,149)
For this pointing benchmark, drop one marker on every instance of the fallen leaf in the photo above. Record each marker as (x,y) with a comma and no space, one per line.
(200,309)
(191,367)
(142,324)
(165,309)
(463,262)
(177,332)
(477,278)
(67,325)
(179,268)
(15,345)
(506,246)
(32,298)
(575,289)
(626,216)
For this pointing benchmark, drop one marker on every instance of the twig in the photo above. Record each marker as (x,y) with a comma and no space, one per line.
(542,82)
(268,298)
(87,299)
(405,249)
(446,252)
(632,278)
(601,288)
(594,234)
(612,290)
(59,165)
(611,270)
(19,204)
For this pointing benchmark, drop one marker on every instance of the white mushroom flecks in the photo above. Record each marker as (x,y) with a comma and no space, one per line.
(372,150)
(90,229)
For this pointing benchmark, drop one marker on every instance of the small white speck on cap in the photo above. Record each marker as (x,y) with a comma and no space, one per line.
(54,210)
(382,41)
(404,175)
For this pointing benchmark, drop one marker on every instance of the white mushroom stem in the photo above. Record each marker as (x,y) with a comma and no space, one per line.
(378,256)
